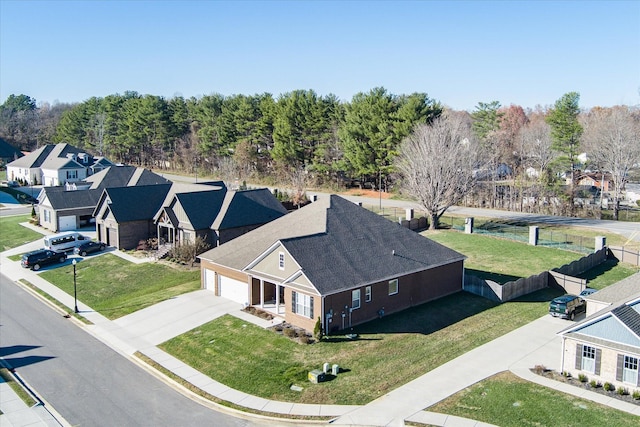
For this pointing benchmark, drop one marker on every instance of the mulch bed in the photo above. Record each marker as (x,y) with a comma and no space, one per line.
(557,376)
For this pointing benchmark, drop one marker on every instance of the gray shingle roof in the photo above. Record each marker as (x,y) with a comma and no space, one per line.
(124,176)
(629,317)
(619,291)
(250,207)
(202,207)
(8,151)
(136,203)
(338,245)
(61,199)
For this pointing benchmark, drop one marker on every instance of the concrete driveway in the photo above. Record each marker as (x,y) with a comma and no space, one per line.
(175,316)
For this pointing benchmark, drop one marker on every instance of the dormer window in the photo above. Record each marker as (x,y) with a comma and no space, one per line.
(281,260)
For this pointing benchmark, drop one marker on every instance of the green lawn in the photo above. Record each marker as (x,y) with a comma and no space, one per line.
(391,351)
(115,287)
(507,401)
(500,259)
(12,234)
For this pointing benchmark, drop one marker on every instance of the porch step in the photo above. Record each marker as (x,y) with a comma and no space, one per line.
(162,251)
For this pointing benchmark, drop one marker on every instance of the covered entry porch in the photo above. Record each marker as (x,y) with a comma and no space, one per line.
(268,295)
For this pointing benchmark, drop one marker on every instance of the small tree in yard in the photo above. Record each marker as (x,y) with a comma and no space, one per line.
(436,163)
(188,251)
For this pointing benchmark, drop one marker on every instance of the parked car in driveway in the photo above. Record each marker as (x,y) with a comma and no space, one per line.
(567,306)
(89,248)
(36,259)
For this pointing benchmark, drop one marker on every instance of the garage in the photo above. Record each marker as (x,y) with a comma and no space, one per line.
(67,223)
(233,289)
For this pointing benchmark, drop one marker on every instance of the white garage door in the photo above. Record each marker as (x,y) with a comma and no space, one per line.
(232,289)
(210,280)
(67,223)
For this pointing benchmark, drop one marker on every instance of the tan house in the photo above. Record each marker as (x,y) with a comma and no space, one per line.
(605,347)
(335,261)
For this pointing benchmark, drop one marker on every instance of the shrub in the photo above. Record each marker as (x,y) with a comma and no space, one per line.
(608,386)
(539,369)
(622,391)
(317,330)
(636,394)
(306,339)
(566,374)
(595,384)
(583,378)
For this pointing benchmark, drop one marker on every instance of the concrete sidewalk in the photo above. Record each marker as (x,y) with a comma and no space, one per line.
(518,351)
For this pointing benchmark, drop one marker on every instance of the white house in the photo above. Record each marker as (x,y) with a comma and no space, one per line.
(54,165)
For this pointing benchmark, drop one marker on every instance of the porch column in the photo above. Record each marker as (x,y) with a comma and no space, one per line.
(277,297)
(261,293)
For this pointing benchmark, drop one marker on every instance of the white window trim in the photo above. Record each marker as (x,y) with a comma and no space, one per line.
(281,260)
(367,294)
(353,299)
(630,376)
(588,363)
(397,286)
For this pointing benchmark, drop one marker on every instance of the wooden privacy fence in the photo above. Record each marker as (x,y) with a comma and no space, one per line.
(563,277)
(623,254)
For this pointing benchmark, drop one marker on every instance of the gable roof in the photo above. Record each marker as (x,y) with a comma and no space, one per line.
(8,151)
(201,207)
(59,198)
(248,207)
(124,176)
(338,245)
(134,203)
(53,156)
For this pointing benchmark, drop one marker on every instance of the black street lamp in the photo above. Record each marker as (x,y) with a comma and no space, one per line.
(75,294)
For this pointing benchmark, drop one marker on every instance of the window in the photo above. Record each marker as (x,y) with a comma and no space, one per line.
(355,299)
(393,287)
(47,215)
(281,260)
(72,174)
(588,359)
(367,294)
(302,304)
(630,370)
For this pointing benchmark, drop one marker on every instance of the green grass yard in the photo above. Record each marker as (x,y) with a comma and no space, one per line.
(12,234)
(115,287)
(508,401)
(391,351)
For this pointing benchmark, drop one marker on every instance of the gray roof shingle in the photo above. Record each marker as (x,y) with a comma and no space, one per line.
(249,207)
(136,203)
(60,199)
(338,245)
(629,317)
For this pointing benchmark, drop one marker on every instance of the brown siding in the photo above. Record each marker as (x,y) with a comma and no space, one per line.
(413,289)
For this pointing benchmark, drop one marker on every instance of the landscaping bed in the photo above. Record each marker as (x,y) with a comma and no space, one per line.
(625,394)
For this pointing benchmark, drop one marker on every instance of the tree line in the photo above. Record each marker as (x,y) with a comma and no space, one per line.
(519,155)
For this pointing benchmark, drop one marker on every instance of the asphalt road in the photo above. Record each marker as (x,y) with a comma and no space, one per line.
(87,382)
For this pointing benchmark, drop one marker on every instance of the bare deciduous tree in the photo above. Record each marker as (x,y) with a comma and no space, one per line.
(612,140)
(436,163)
(535,139)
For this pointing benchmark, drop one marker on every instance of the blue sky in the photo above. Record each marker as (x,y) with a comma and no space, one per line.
(458,52)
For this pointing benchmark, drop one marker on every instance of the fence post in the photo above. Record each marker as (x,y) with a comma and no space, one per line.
(468,225)
(601,242)
(534,232)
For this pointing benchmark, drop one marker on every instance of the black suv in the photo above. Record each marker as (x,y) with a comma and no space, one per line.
(567,306)
(36,259)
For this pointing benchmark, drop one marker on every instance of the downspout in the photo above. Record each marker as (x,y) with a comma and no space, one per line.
(562,356)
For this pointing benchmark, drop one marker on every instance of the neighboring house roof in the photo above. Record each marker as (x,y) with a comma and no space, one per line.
(124,176)
(201,207)
(617,326)
(620,291)
(338,246)
(60,199)
(249,207)
(54,156)
(134,203)
(8,151)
